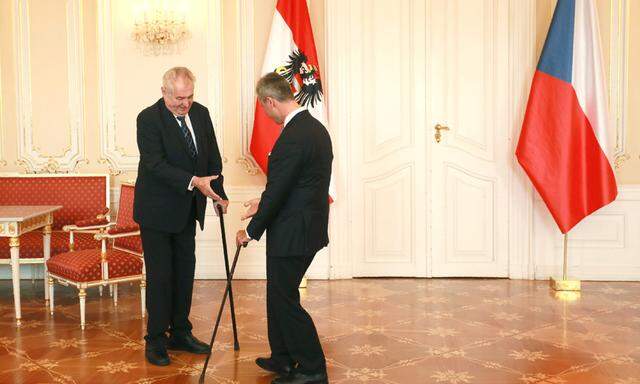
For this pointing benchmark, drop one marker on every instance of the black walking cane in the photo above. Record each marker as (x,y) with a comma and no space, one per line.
(224,300)
(236,345)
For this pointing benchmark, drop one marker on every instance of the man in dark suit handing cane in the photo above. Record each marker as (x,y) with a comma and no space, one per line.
(180,166)
(294,211)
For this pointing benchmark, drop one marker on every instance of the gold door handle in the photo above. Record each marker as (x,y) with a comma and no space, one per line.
(438,134)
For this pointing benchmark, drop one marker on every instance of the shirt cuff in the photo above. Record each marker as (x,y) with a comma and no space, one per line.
(247,233)
(190,186)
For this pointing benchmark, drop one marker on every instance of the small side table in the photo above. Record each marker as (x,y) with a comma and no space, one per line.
(16,220)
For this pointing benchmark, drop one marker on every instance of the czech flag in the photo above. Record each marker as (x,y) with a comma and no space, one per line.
(563,142)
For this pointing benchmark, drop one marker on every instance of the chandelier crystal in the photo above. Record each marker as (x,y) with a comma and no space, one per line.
(160,32)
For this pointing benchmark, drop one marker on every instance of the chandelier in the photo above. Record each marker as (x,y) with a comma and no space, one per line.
(160,31)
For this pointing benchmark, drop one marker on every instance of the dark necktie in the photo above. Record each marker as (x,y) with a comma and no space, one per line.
(191,147)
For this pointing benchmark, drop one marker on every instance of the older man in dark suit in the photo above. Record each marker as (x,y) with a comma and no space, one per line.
(180,166)
(294,211)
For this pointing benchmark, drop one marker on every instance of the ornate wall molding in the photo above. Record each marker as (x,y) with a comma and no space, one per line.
(3,162)
(337,71)
(29,156)
(246,58)
(215,78)
(619,69)
(111,153)
(522,44)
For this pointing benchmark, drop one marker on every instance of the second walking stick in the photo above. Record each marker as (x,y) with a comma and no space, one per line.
(236,345)
(215,328)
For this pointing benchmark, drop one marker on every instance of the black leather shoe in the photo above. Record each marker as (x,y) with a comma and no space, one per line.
(302,378)
(270,365)
(188,343)
(157,356)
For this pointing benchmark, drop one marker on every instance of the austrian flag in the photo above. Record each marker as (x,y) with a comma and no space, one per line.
(291,52)
(563,143)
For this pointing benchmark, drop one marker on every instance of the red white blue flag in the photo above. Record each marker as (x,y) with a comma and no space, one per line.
(291,52)
(563,143)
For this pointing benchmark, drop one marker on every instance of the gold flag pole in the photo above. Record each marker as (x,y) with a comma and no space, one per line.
(565,284)
(566,261)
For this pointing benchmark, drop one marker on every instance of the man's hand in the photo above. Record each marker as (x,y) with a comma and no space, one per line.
(242,239)
(204,185)
(224,204)
(252,208)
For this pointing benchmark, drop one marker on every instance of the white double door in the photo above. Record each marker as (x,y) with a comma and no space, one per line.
(419,207)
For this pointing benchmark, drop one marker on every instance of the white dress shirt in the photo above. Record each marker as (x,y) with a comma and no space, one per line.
(193,136)
(189,127)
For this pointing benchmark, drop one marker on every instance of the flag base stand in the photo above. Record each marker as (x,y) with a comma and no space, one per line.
(303,283)
(559,284)
(566,296)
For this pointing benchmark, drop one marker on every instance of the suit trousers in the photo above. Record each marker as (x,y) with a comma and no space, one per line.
(170,263)
(292,335)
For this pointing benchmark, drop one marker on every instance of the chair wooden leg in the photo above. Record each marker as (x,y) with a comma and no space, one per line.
(45,276)
(46,243)
(50,281)
(115,294)
(143,293)
(110,290)
(82,295)
(100,290)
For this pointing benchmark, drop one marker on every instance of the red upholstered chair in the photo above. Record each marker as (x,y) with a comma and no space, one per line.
(118,259)
(84,199)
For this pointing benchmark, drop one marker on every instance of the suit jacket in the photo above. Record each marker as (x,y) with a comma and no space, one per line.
(162,200)
(294,208)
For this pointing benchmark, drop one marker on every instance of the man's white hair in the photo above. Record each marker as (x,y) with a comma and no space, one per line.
(169,78)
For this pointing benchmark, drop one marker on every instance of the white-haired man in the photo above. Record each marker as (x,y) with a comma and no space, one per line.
(180,166)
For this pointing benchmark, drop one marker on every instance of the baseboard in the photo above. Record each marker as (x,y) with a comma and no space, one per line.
(593,273)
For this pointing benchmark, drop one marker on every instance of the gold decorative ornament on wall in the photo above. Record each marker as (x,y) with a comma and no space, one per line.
(620,160)
(248,165)
(122,151)
(113,170)
(80,162)
(51,166)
